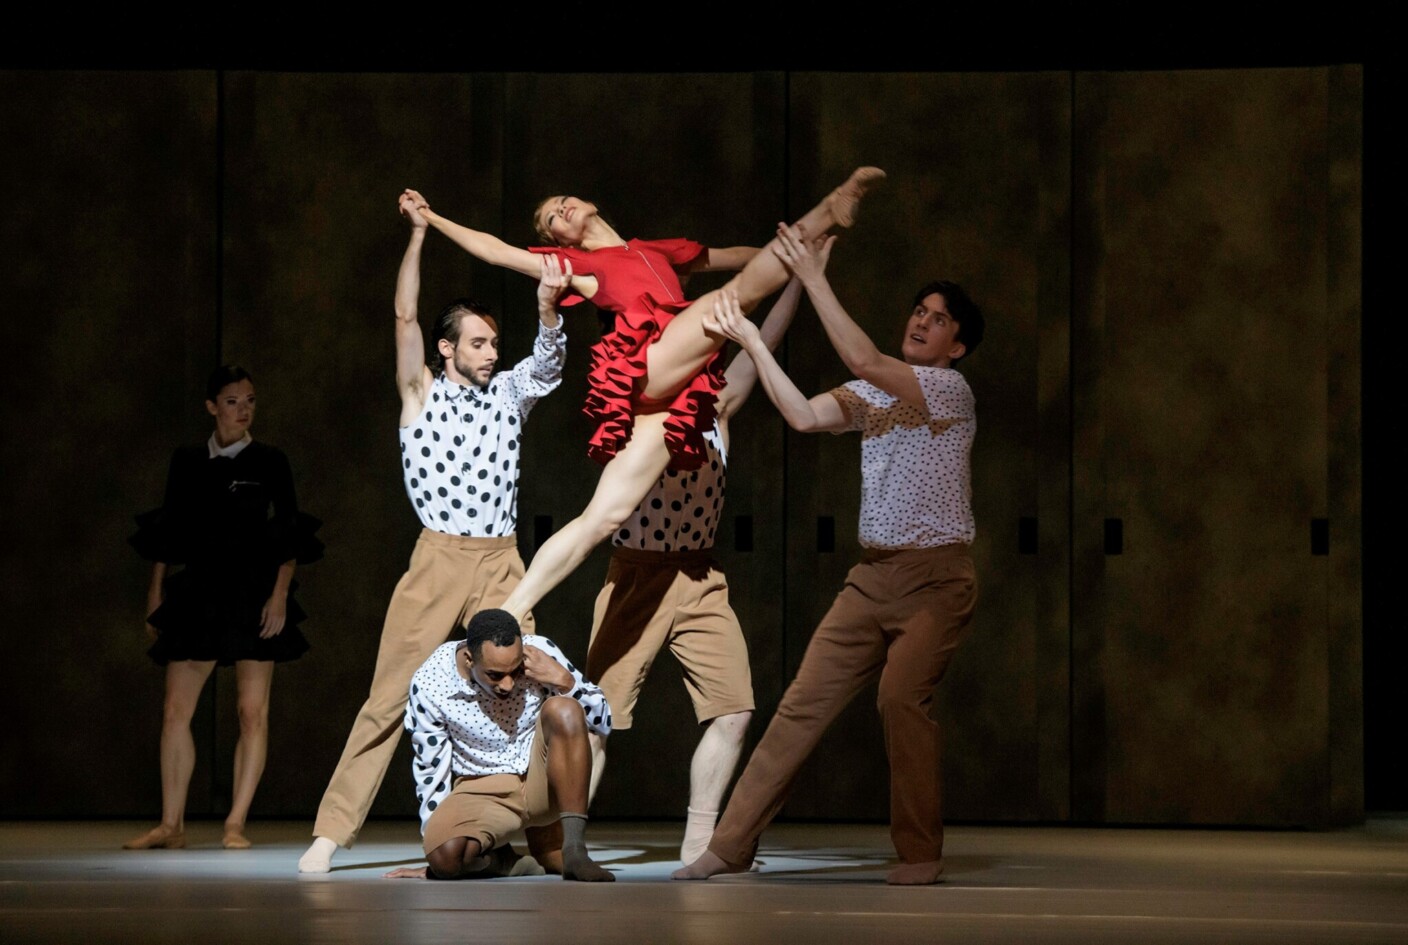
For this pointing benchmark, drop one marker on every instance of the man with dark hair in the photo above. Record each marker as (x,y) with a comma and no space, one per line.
(906,606)
(499,727)
(461,427)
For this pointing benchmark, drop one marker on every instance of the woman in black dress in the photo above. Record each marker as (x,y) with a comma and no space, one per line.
(231,521)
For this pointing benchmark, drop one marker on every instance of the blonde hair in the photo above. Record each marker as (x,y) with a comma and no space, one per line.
(539,226)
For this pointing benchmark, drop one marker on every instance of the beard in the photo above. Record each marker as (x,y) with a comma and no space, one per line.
(471,374)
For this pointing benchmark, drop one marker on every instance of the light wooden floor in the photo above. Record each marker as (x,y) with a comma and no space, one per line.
(819,884)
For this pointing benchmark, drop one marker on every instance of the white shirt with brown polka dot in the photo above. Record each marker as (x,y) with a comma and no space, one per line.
(916,488)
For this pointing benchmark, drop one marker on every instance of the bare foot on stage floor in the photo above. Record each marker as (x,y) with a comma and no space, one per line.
(916,874)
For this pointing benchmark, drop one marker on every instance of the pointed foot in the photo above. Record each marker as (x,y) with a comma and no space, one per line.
(844,201)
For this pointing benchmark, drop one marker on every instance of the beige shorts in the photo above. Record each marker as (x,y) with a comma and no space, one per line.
(675,598)
(488,809)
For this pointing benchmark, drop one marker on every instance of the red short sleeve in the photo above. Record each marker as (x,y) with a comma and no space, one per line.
(581,266)
(679,251)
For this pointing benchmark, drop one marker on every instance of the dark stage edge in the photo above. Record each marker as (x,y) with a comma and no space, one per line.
(819,884)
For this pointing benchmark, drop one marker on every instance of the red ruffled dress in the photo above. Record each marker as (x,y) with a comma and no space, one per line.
(639,283)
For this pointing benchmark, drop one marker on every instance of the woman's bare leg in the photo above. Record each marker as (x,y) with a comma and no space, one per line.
(673,359)
(624,482)
(683,347)
(253,679)
(184,681)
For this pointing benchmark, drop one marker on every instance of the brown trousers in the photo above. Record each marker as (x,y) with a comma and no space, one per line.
(900,617)
(450,578)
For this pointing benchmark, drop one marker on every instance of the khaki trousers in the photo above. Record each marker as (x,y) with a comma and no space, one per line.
(900,617)
(679,599)
(450,578)
(487,808)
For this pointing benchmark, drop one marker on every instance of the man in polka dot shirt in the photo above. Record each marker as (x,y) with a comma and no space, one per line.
(664,588)
(906,606)
(499,726)
(460,431)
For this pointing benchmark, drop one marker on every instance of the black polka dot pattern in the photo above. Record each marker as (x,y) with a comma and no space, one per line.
(916,489)
(487,420)
(681,511)
(458,728)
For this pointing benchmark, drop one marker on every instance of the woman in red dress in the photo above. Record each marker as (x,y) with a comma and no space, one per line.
(654,377)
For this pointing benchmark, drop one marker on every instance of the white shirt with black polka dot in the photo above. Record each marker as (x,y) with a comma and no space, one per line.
(460,729)
(916,488)
(459,457)
(681,511)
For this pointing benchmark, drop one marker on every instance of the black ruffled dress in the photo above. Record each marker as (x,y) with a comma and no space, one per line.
(230,521)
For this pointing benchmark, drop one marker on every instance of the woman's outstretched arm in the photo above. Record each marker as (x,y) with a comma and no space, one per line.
(480,245)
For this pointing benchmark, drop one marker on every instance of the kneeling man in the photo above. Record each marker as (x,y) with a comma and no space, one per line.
(499,725)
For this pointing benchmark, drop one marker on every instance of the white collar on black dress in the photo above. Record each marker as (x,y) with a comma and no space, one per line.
(231,451)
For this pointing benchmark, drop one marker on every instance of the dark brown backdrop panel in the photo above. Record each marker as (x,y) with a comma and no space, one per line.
(699,156)
(976,193)
(1344,311)
(1202,685)
(1205,226)
(109,288)
(313,241)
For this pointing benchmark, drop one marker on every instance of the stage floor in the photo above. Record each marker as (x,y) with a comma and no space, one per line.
(819,884)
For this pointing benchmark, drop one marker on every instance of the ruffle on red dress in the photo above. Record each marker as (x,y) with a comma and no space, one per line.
(618,360)
(618,364)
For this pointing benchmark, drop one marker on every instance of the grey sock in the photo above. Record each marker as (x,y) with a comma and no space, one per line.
(576,864)
(574,831)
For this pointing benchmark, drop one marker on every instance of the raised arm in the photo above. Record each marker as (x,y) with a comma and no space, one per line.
(742,373)
(554,278)
(480,245)
(412,376)
(540,373)
(819,414)
(807,262)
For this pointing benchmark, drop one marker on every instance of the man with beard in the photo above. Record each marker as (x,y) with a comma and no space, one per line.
(461,430)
